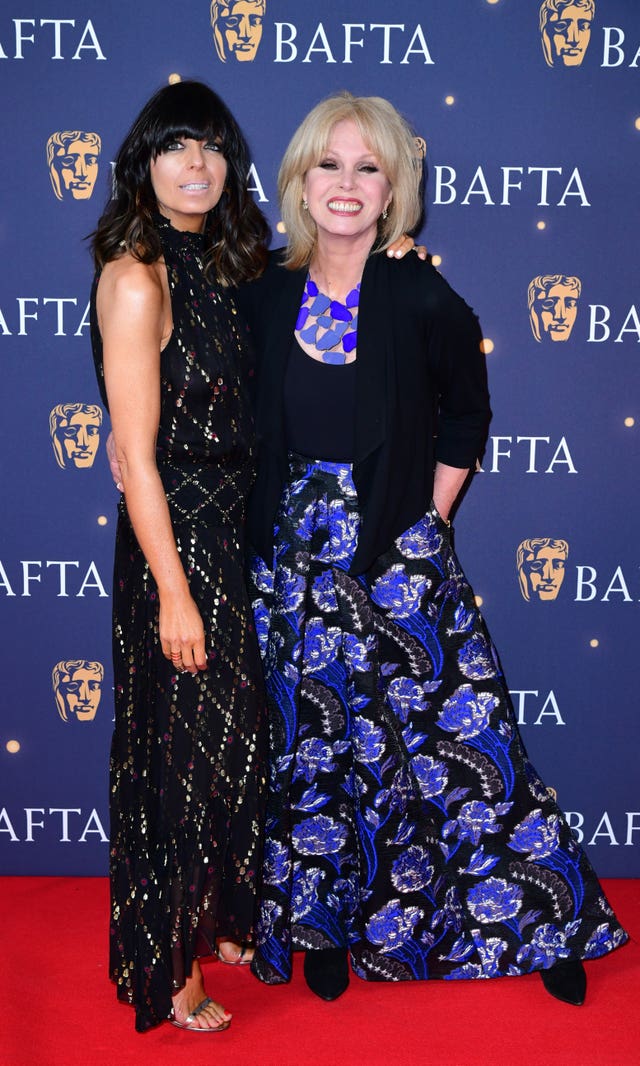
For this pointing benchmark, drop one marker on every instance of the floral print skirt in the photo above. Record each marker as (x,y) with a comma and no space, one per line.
(404,819)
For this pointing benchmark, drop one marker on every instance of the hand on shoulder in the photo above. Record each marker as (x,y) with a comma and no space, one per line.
(405,244)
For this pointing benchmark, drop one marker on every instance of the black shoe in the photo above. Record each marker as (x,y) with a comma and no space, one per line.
(566,981)
(326,972)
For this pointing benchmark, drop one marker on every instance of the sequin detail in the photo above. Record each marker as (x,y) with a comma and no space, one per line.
(187,760)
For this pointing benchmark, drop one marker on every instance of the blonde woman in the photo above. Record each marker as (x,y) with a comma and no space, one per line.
(406,828)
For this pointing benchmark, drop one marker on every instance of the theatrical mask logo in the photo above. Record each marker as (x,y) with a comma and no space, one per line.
(72,158)
(77,686)
(541,562)
(237,28)
(565,28)
(553,305)
(75,433)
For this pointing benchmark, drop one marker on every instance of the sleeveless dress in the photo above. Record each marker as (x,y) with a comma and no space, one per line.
(405,822)
(187,771)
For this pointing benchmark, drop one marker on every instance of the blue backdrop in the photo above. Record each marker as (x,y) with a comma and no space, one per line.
(532,139)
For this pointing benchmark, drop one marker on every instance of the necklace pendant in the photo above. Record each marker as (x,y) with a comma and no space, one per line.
(338,322)
(331,338)
(350,341)
(309,334)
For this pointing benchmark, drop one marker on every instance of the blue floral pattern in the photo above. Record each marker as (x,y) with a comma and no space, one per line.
(393,925)
(475,658)
(406,697)
(412,870)
(405,821)
(318,836)
(314,756)
(399,591)
(536,836)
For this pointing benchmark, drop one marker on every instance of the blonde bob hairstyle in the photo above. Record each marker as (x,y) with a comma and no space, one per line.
(389,138)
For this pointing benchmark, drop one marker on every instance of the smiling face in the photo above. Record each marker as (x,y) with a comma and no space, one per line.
(347,191)
(188,179)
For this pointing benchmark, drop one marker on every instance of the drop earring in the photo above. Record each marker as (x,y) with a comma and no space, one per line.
(305,205)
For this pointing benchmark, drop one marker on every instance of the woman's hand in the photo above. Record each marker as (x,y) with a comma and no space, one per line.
(114,465)
(405,244)
(447,483)
(182,633)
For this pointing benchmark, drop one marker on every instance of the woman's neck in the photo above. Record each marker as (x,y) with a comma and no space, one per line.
(336,266)
(184,223)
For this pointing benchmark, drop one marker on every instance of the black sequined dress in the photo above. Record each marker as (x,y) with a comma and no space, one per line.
(188,753)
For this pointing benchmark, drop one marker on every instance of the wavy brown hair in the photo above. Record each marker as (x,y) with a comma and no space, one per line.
(236,231)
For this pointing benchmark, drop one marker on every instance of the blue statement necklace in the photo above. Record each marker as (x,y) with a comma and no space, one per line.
(329,324)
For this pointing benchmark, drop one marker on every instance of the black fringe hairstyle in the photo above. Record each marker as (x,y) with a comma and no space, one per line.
(236,231)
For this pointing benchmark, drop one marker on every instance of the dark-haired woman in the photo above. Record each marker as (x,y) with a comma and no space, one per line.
(173,363)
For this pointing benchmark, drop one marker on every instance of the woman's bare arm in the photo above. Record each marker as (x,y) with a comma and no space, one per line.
(132,314)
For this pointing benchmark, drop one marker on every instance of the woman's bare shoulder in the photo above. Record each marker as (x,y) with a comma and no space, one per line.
(131,286)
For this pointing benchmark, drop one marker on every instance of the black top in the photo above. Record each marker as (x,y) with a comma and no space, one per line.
(205,367)
(319,407)
(421,394)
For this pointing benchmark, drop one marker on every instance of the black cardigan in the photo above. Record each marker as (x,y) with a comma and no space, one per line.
(421,394)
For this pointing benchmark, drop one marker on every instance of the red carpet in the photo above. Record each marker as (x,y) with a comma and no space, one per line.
(59,1009)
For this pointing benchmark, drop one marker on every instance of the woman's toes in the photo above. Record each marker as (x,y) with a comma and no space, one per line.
(234,954)
(213,1016)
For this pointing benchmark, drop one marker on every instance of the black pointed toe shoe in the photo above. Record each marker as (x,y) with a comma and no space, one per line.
(566,981)
(326,972)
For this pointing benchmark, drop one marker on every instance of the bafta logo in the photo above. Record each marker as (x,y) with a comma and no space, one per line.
(77,686)
(72,158)
(237,28)
(553,305)
(75,433)
(541,562)
(565,28)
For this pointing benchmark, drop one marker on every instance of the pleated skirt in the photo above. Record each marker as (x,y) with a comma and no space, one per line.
(405,821)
